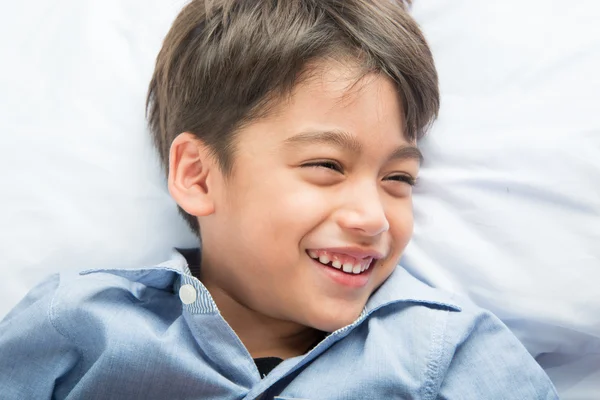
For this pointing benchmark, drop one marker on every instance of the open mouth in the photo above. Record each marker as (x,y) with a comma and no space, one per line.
(342,263)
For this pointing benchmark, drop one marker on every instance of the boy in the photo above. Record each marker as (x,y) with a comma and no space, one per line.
(288,130)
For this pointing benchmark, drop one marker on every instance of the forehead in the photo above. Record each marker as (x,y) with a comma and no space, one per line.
(338,97)
(334,108)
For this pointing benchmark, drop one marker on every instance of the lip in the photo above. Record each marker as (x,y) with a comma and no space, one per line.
(342,278)
(356,252)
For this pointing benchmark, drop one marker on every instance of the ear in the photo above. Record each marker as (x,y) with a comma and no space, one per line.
(190,166)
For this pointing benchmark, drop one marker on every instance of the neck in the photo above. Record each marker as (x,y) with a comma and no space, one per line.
(263,336)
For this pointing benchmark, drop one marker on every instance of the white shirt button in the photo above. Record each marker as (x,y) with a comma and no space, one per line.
(187,294)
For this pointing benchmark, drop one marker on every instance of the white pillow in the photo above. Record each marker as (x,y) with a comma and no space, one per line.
(508,209)
(81,185)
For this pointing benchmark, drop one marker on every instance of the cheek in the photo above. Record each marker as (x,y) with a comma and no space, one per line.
(280,206)
(401,224)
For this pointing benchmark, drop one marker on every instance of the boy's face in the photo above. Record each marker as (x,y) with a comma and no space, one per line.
(326,176)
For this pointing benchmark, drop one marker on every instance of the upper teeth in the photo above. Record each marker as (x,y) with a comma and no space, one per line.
(348,267)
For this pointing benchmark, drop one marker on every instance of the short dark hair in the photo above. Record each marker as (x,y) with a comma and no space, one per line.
(225,63)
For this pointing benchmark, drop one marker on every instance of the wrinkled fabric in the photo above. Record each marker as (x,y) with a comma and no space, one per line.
(156,333)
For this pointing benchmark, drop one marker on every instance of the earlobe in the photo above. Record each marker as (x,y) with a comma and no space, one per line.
(189,169)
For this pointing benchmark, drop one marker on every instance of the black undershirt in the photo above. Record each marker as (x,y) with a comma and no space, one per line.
(264,364)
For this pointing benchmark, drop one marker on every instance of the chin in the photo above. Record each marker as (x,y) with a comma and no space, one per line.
(332,321)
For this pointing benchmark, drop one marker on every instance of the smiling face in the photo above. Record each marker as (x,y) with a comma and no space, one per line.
(324,180)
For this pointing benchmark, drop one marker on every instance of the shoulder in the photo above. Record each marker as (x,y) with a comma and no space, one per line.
(100,324)
(484,359)
(99,302)
(462,350)
(436,322)
(448,321)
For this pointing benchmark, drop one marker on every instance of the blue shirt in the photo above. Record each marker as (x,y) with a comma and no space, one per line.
(156,333)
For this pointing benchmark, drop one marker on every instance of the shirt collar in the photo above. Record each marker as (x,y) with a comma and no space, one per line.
(400,287)
(173,275)
(159,276)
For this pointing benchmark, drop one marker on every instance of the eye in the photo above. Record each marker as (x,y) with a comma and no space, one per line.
(403,178)
(328,164)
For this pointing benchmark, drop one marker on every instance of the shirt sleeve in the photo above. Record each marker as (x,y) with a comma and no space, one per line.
(33,353)
(491,363)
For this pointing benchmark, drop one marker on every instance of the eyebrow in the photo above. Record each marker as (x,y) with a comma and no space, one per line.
(348,142)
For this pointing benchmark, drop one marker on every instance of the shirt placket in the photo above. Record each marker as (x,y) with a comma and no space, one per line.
(214,336)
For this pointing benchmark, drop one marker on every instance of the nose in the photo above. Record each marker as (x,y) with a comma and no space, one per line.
(363,212)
